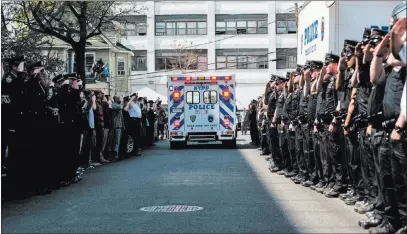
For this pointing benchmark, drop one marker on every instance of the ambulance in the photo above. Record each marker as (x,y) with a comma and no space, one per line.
(201,109)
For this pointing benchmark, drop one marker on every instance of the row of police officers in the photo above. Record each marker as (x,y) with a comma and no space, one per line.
(41,128)
(338,127)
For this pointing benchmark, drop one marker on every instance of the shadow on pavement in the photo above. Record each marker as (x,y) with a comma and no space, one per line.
(109,198)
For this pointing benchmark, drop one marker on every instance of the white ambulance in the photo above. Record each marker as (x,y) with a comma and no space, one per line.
(201,109)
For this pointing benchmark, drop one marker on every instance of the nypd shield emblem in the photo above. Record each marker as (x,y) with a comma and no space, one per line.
(193,118)
(9,79)
(210,118)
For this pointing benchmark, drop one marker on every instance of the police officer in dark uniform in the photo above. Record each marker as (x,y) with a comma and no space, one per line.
(298,124)
(301,177)
(282,134)
(318,91)
(287,117)
(70,128)
(309,106)
(332,152)
(364,90)
(389,151)
(273,93)
(345,85)
(37,101)
(14,127)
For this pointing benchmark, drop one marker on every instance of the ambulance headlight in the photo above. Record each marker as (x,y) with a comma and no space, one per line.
(227,132)
(179,133)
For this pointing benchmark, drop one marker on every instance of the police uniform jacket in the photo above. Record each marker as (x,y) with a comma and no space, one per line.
(69,106)
(13,105)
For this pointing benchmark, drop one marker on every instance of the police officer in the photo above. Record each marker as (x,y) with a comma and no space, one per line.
(316,106)
(390,151)
(14,127)
(253,123)
(282,134)
(299,153)
(288,116)
(70,128)
(311,144)
(272,133)
(364,90)
(36,98)
(302,131)
(347,105)
(332,152)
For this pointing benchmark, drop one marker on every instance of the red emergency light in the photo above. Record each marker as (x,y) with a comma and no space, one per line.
(176,123)
(176,95)
(174,78)
(188,78)
(226,122)
(213,78)
(228,78)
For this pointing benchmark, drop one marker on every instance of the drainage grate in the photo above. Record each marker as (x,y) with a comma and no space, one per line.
(171,208)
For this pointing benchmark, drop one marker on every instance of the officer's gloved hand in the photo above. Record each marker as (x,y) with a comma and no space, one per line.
(369,130)
(315,129)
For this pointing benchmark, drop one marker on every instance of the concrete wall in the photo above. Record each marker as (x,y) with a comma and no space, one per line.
(256,78)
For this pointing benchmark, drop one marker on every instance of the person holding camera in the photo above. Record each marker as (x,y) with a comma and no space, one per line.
(134,111)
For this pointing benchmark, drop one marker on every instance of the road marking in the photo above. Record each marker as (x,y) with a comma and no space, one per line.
(171,208)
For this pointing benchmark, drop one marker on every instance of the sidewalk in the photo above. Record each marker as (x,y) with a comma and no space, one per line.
(310,211)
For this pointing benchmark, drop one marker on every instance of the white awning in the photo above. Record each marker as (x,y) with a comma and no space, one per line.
(152,95)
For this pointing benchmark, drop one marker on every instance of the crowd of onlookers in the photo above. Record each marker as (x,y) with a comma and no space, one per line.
(108,136)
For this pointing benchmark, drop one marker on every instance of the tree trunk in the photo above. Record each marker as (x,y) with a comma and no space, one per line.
(79,50)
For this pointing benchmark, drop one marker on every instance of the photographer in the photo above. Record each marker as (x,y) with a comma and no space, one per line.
(87,146)
(134,111)
(117,124)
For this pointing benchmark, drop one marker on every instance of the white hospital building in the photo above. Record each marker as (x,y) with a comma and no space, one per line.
(223,37)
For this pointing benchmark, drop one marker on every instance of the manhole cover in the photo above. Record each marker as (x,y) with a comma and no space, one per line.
(172,208)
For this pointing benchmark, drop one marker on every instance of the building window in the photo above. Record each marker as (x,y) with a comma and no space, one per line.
(242,59)
(210,97)
(188,60)
(288,58)
(135,29)
(193,97)
(139,60)
(286,24)
(180,28)
(89,61)
(241,24)
(121,70)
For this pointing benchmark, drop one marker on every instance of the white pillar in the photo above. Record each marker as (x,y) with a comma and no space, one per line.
(272,35)
(211,29)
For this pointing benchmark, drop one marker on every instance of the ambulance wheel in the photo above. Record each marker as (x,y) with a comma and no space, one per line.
(230,144)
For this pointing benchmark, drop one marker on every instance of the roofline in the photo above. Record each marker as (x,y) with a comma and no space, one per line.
(303,6)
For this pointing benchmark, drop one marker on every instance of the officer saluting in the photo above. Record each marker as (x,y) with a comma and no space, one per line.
(70,128)
(36,99)
(13,128)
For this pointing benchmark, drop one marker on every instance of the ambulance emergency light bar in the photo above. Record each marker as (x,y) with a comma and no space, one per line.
(191,78)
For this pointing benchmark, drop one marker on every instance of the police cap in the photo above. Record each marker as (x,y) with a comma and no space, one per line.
(367,32)
(288,75)
(35,65)
(71,76)
(377,33)
(15,60)
(350,43)
(151,101)
(273,78)
(58,79)
(281,79)
(331,58)
(315,64)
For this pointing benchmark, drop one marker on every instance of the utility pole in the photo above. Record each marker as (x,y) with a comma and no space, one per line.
(296,17)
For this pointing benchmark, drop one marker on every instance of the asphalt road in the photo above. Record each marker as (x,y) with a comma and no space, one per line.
(237,192)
